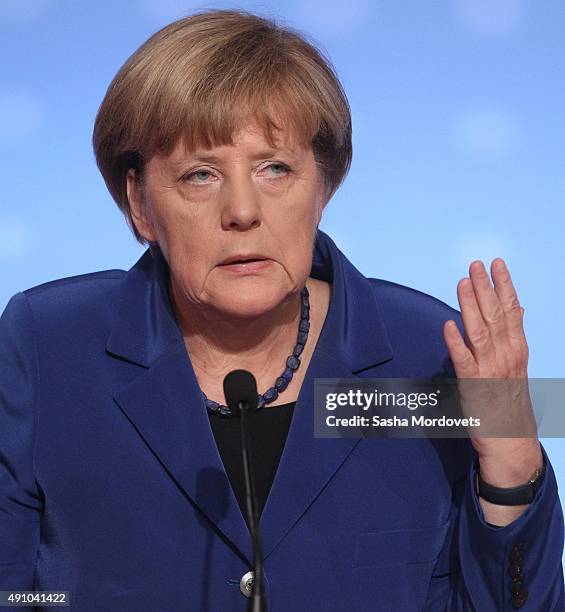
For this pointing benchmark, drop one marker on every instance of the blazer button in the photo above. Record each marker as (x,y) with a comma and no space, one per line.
(246,584)
(516,570)
(517,553)
(519,599)
(516,585)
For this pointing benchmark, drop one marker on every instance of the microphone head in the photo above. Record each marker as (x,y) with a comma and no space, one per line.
(240,386)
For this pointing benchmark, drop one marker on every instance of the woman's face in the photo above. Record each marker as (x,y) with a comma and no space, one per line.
(246,199)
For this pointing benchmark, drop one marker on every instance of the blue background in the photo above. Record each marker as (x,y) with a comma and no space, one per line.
(458,130)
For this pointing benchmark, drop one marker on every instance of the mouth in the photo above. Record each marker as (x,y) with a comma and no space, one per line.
(241,261)
(246,265)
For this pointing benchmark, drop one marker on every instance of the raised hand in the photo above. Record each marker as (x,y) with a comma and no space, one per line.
(494,347)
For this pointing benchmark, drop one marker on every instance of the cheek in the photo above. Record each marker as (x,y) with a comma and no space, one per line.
(190,277)
(296,231)
(191,257)
(299,215)
(298,252)
(183,237)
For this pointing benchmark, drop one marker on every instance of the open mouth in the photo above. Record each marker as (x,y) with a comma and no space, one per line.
(246,265)
(241,261)
(244,261)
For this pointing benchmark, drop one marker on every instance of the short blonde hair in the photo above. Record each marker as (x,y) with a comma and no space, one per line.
(200,77)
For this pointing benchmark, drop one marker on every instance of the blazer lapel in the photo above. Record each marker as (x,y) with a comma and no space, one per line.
(307,463)
(353,339)
(164,403)
(165,407)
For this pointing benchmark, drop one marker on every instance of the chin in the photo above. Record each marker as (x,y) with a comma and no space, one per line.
(247,304)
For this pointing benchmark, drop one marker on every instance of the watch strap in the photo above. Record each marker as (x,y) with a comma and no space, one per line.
(511,496)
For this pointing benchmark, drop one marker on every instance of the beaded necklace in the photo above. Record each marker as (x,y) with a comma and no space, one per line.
(292,364)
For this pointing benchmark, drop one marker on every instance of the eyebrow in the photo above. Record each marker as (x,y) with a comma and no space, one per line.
(202,157)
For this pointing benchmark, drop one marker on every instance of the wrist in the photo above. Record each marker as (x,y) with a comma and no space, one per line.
(519,493)
(512,469)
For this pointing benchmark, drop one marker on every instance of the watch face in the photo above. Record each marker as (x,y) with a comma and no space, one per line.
(537,475)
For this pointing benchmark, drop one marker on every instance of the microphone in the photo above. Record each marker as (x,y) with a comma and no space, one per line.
(240,390)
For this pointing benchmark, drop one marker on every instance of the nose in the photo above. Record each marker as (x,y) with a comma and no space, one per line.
(241,208)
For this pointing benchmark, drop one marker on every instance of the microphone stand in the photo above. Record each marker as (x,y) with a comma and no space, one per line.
(257,601)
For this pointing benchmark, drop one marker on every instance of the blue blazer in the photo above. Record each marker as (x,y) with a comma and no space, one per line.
(112,487)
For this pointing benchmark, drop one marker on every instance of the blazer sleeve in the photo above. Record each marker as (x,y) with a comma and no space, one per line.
(518,566)
(20,498)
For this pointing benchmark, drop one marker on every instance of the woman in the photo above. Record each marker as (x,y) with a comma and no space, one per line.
(222,139)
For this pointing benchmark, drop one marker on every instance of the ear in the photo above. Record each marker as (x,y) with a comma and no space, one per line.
(138,208)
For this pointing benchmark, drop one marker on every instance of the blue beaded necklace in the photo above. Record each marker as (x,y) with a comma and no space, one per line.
(292,364)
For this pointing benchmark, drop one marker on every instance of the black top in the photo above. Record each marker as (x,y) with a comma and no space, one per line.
(268,431)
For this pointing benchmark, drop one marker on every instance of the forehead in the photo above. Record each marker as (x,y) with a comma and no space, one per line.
(251,140)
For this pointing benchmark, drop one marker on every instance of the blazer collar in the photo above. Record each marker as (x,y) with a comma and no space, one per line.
(353,333)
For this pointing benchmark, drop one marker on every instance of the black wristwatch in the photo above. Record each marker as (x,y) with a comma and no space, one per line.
(511,496)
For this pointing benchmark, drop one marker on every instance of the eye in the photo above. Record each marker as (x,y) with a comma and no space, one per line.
(198,173)
(200,177)
(278,166)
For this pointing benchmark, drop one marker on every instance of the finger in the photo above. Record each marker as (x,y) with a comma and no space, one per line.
(508,298)
(489,303)
(476,330)
(462,358)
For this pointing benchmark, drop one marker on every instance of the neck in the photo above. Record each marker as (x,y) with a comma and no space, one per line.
(218,344)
